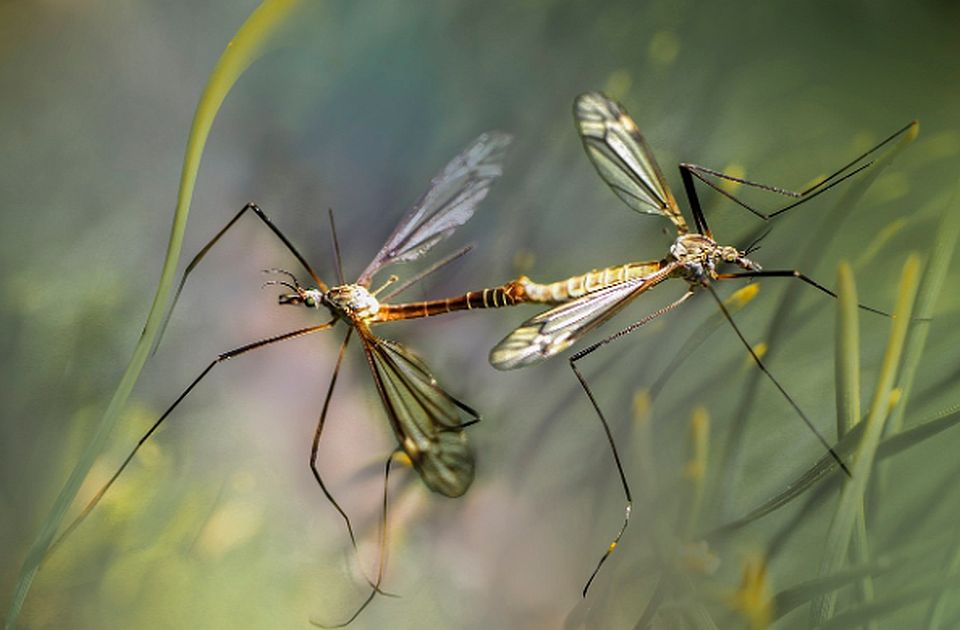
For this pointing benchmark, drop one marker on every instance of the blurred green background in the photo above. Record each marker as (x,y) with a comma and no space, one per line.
(218,522)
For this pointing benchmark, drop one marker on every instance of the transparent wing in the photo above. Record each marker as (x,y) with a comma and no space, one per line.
(553,331)
(449,203)
(425,419)
(617,149)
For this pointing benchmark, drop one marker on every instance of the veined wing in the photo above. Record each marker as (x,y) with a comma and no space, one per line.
(425,419)
(617,149)
(450,201)
(553,331)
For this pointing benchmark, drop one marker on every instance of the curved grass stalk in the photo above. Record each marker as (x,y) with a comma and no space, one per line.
(930,288)
(848,408)
(257,34)
(853,491)
(826,467)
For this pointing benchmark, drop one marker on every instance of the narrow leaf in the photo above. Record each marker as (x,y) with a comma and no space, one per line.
(853,491)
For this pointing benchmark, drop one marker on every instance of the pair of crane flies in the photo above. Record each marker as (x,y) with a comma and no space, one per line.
(428,422)
(616,148)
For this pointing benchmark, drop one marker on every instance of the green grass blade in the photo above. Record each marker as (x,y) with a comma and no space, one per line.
(826,466)
(249,43)
(795,596)
(848,403)
(931,286)
(848,352)
(853,492)
(893,602)
(923,431)
(938,602)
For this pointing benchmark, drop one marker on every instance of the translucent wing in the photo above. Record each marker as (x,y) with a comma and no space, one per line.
(617,149)
(449,203)
(425,419)
(553,331)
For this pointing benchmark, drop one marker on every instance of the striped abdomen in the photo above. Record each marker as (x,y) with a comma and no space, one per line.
(577,286)
(506,295)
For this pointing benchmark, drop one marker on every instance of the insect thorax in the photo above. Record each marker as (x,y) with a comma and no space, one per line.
(352,300)
(699,256)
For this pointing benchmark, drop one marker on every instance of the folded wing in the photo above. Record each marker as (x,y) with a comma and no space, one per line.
(426,420)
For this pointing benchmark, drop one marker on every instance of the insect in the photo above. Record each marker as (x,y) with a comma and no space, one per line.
(428,422)
(616,148)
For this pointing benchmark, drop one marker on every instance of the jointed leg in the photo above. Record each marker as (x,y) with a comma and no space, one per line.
(606,426)
(252,207)
(220,359)
(763,368)
(793,273)
(382,545)
(688,171)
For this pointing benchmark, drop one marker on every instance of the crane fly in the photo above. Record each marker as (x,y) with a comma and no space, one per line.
(427,421)
(616,148)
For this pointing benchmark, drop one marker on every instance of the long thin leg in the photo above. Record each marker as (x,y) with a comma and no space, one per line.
(763,368)
(606,425)
(688,171)
(314,450)
(382,545)
(220,359)
(793,273)
(252,207)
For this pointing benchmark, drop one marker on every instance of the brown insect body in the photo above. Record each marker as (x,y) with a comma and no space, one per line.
(698,255)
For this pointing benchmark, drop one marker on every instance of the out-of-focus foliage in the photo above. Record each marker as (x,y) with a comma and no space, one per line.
(218,522)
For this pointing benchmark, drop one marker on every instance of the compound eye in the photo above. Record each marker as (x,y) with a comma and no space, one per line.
(309,301)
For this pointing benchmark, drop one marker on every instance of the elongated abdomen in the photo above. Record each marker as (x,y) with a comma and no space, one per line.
(578,286)
(509,294)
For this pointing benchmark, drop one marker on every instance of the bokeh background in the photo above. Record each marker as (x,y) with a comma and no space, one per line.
(218,522)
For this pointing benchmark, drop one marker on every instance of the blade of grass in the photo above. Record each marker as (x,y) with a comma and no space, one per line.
(854,488)
(848,405)
(931,284)
(891,603)
(799,594)
(826,466)
(943,247)
(848,352)
(252,39)
(938,601)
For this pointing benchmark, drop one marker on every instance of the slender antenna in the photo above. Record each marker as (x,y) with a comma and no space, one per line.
(440,264)
(763,368)
(755,244)
(336,248)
